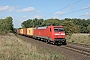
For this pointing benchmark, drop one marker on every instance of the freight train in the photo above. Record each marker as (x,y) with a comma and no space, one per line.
(49,34)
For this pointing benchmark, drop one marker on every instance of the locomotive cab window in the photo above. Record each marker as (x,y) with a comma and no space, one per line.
(58,29)
(50,30)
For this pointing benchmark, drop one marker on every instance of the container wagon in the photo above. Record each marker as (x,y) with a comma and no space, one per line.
(25,31)
(21,31)
(18,31)
(30,32)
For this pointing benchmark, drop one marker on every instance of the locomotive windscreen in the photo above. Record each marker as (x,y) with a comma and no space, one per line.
(58,29)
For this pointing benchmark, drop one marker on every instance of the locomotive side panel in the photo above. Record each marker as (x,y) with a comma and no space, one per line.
(41,33)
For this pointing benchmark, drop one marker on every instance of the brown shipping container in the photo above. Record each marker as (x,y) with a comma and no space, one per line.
(18,31)
(25,31)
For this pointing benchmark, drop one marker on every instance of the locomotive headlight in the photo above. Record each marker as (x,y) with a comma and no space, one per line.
(62,34)
(57,34)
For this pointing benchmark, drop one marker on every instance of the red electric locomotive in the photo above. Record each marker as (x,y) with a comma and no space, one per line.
(54,34)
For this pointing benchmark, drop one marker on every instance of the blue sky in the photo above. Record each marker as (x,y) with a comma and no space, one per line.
(22,10)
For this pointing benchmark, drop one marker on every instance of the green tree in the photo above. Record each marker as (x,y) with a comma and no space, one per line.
(74,25)
(32,23)
(54,22)
(70,27)
(88,28)
(28,23)
(6,25)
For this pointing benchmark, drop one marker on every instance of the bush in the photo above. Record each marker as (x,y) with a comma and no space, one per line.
(73,40)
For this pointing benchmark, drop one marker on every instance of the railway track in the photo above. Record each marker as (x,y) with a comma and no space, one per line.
(82,45)
(80,48)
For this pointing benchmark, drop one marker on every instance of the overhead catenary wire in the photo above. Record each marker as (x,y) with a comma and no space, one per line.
(86,14)
(77,10)
(64,7)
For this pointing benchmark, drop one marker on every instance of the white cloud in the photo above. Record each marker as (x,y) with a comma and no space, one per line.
(38,16)
(56,17)
(87,7)
(86,15)
(59,13)
(28,9)
(24,16)
(38,11)
(8,8)
(12,8)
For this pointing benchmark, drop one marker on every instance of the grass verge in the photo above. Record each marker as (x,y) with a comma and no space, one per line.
(79,38)
(13,48)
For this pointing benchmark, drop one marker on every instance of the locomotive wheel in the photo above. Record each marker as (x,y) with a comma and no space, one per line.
(48,41)
(58,44)
(64,43)
(53,43)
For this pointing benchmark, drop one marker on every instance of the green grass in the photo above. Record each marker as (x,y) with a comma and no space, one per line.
(79,38)
(13,48)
